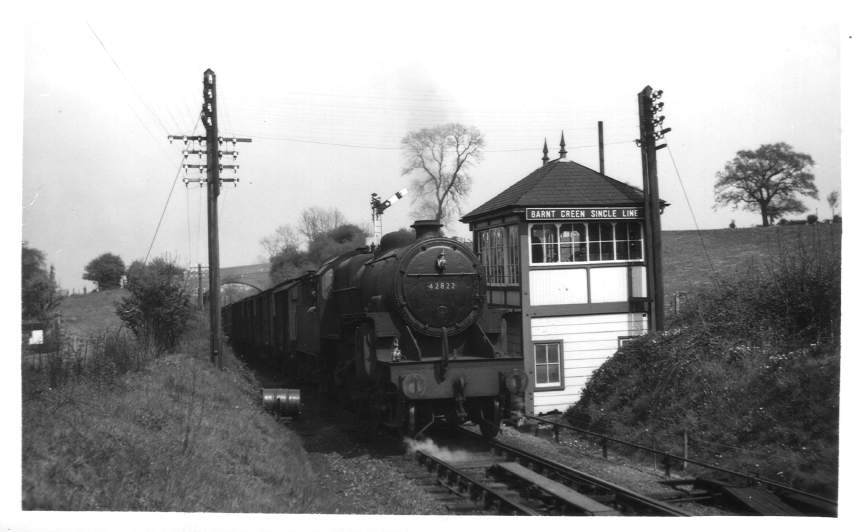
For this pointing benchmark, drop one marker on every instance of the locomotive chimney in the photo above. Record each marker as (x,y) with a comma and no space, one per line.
(427,228)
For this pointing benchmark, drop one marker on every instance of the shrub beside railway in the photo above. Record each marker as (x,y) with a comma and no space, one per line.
(749,371)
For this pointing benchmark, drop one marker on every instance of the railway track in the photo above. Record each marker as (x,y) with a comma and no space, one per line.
(508,480)
(742,493)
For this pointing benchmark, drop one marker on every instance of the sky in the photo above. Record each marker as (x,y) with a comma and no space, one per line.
(326,92)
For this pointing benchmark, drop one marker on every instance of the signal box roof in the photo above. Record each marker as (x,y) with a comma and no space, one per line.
(560,183)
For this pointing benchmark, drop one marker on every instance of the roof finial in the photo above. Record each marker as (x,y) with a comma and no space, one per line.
(545,152)
(562,151)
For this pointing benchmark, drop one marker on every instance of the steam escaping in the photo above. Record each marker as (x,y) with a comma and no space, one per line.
(442,453)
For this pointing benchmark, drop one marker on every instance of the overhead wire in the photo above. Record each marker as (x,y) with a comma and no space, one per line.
(368,147)
(157,118)
(166,204)
(715,278)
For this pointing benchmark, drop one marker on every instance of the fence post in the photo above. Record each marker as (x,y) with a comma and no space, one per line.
(684,449)
(654,455)
(666,466)
(604,447)
(556,430)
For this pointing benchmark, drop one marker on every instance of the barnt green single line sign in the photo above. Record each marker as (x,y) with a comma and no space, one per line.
(584,213)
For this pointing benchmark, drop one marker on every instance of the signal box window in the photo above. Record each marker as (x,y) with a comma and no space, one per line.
(548,363)
(544,243)
(572,243)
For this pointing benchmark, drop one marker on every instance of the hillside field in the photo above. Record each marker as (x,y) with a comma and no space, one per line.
(692,259)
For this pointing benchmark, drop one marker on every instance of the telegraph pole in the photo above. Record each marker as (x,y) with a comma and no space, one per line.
(650,133)
(212,167)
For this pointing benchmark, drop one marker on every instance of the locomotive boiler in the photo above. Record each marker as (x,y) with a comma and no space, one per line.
(401,331)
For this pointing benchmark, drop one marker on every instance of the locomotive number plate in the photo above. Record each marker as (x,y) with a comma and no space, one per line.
(442,285)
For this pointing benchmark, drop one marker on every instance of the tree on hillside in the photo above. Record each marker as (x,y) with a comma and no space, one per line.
(39,293)
(767,180)
(439,159)
(339,240)
(106,271)
(292,262)
(315,221)
(282,238)
(289,263)
(833,202)
(158,308)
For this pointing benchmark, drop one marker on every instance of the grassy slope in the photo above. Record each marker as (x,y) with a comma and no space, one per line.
(88,315)
(686,266)
(179,435)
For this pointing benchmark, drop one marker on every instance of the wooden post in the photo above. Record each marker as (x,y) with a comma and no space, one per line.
(200,304)
(652,216)
(212,148)
(654,455)
(556,430)
(684,449)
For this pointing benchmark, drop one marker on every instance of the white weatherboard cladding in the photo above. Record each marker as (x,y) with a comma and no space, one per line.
(588,341)
(558,287)
(609,284)
(638,281)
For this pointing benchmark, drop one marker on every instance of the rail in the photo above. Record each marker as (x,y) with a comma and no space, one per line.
(625,498)
(669,458)
(476,490)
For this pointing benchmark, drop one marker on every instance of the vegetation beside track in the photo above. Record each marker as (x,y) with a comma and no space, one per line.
(113,425)
(174,435)
(748,370)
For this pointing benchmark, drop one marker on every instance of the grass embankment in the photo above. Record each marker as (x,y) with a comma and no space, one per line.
(89,315)
(175,435)
(749,369)
(691,263)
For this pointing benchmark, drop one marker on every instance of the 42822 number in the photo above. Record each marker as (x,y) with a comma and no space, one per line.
(442,285)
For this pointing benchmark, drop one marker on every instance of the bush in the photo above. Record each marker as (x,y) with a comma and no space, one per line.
(39,291)
(158,308)
(749,369)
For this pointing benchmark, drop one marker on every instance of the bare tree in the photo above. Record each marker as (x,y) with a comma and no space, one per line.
(283,237)
(767,180)
(317,220)
(440,159)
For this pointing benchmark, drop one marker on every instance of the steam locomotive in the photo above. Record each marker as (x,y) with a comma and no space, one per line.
(402,332)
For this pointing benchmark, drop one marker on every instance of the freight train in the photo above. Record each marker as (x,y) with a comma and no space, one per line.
(401,332)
